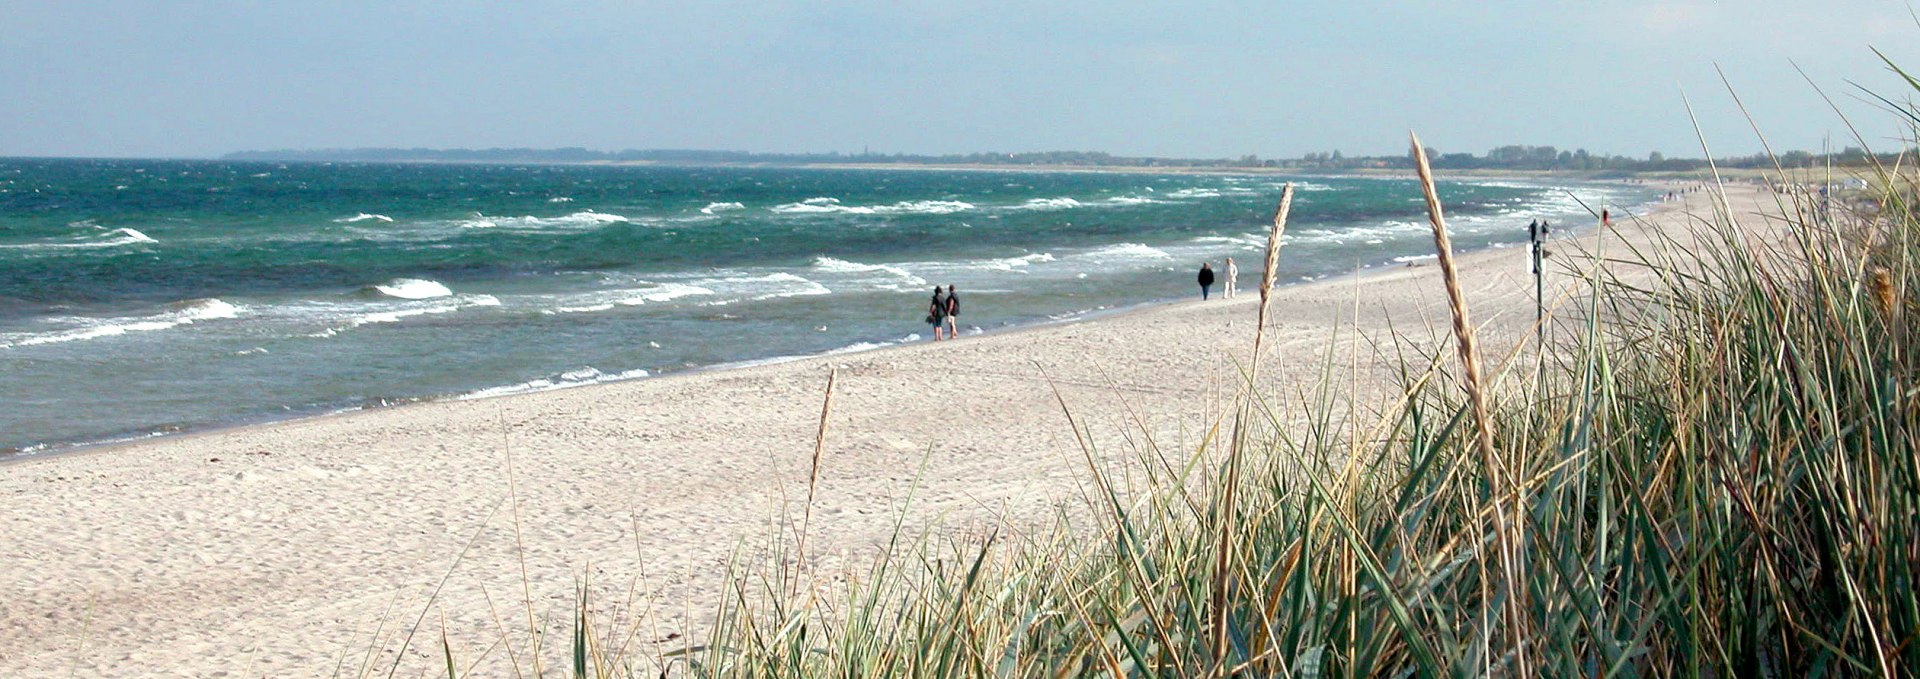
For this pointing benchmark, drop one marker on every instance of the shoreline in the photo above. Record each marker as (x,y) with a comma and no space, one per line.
(185,432)
(280,547)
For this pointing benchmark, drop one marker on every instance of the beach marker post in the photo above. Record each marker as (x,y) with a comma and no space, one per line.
(1537,241)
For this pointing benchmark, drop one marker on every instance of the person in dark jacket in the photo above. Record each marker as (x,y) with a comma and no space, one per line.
(953,312)
(1206,278)
(937,314)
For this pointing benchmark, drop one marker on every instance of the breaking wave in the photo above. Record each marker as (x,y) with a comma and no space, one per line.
(413,288)
(826,205)
(185,313)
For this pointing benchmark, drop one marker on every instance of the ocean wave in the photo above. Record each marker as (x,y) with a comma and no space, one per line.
(1125,252)
(110,239)
(1244,240)
(559,199)
(827,205)
(889,276)
(184,313)
(413,288)
(1050,204)
(1011,263)
(1194,193)
(342,317)
(584,218)
(712,208)
(1133,200)
(572,378)
(1360,233)
(364,216)
(858,347)
(763,287)
(605,300)
(666,292)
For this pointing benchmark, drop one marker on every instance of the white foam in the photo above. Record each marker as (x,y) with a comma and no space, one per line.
(1365,234)
(1245,241)
(590,217)
(185,313)
(663,293)
(605,300)
(755,288)
(572,378)
(559,199)
(1126,251)
(827,205)
(340,317)
(927,207)
(888,276)
(1132,200)
(364,216)
(115,238)
(394,316)
(1194,193)
(1414,258)
(858,347)
(584,218)
(1011,263)
(585,309)
(413,288)
(1050,204)
(712,208)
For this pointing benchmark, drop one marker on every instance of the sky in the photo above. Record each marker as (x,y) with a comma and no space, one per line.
(1192,79)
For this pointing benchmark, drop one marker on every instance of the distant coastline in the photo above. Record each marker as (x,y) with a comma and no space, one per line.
(1501,161)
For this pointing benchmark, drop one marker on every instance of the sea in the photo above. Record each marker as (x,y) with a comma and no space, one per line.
(143,298)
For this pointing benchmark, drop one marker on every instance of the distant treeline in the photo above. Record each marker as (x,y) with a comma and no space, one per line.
(1514,157)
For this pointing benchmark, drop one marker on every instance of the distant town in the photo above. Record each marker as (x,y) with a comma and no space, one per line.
(1513,157)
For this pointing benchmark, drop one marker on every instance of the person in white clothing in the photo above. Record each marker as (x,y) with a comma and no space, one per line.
(1233,272)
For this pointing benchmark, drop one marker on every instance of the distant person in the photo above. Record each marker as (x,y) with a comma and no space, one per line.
(1206,279)
(1606,218)
(1233,278)
(953,312)
(937,314)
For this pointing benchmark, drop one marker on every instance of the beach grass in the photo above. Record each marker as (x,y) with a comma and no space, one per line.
(1715,472)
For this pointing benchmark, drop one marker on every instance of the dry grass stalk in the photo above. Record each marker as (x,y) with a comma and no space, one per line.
(1266,279)
(813,477)
(1222,556)
(1501,478)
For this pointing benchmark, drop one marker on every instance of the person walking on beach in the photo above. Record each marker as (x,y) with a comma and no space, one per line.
(1233,278)
(953,312)
(937,314)
(1206,278)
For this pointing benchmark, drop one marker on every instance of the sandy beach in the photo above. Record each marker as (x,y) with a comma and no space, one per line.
(290,549)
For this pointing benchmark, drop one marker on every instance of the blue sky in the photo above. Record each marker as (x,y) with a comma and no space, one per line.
(1188,79)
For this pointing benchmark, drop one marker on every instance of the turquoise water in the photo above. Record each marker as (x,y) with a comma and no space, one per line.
(143,297)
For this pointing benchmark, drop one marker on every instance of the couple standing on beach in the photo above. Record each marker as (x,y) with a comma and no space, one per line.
(1206,278)
(943,313)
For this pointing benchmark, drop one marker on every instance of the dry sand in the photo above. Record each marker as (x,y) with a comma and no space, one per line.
(277,550)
